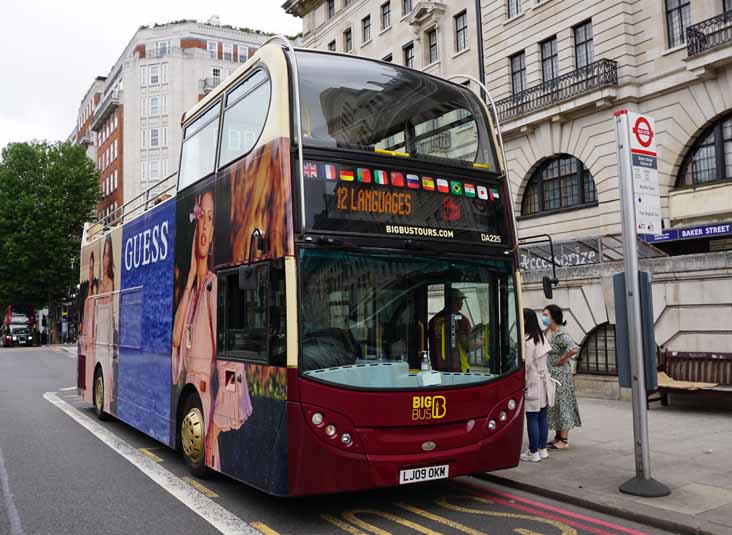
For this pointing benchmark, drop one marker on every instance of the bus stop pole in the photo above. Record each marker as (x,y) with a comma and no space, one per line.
(642,484)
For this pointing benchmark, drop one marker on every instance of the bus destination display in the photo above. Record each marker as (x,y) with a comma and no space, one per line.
(366,200)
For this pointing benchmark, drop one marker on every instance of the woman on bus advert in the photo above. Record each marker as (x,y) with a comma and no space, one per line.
(194,336)
(86,341)
(106,324)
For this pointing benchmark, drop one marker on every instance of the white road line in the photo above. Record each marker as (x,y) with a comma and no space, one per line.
(67,388)
(16,528)
(219,517)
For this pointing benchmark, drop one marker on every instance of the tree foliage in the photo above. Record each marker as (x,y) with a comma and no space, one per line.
(47,192)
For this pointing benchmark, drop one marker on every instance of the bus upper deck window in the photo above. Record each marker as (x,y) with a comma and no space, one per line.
(246,112)
(199,147)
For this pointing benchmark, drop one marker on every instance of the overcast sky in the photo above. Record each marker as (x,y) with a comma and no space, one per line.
(51,51)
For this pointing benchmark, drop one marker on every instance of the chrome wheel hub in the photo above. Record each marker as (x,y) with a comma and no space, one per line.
(192,435)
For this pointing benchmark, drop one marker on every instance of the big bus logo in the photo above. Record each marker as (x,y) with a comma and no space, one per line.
(428,407)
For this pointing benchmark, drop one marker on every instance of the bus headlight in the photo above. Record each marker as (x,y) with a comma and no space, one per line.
(345,439)
(492,425)
(502,416)
(330,430)
(317,419)
(511,404)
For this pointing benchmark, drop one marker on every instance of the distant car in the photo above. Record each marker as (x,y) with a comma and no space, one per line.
(22,336)
(7,340)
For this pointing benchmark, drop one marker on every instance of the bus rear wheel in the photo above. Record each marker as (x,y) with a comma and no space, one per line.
(99,395)
(193,436)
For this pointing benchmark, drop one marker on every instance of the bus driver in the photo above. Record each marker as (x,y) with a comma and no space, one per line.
(455,360)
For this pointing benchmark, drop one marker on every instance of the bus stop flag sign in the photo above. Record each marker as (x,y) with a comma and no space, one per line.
(644,171)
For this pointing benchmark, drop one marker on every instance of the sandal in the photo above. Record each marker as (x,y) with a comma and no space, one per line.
(553,445)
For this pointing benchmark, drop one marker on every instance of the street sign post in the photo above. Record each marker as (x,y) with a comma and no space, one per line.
(638,177)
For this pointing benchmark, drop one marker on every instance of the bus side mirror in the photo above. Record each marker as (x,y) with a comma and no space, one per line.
(247,277)
(548,284)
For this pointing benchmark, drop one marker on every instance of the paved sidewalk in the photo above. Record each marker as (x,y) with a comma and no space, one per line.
(691,452)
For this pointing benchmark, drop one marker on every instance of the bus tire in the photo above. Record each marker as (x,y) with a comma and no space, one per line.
(192,434)
(98,394)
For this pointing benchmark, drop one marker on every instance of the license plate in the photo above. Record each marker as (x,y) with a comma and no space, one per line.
(427,473)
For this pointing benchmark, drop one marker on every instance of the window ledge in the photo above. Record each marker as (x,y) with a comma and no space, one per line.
(382,32)
(673,50)
(431,65)
(558,211)
(461,52)
(366,43)
(514,18)
(702,185)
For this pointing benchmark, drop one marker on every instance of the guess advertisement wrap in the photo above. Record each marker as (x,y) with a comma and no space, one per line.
(396,203)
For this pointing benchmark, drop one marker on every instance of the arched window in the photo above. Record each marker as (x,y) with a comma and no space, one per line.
(597,354)
(710,158)
(560,182)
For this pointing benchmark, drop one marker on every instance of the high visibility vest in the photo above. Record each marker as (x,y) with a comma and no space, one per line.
(439,324)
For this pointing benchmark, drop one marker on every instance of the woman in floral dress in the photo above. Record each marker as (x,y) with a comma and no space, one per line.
(564,415)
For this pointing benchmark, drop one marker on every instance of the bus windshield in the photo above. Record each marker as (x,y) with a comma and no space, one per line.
(387,321)
(354,103)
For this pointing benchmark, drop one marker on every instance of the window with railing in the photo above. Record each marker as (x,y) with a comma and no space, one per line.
(597,355)
(518,72)
(549,59)
(678,18)
(584,53)
(559,183)
(461,31)
(710,158)
(710,33)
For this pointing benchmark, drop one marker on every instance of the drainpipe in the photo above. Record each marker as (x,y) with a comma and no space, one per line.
(481,53)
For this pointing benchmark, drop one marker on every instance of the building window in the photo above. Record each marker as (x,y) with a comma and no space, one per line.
(162,48)
(143,78)
(597,355)
(366,29)
(409,55)
(388,58)
(216,75)
(549,59)
(710,158)
(583,53)
(154,105)
(213,49)
(154,74)
(228,49)
(331,9)
(678,17)
(243,53)
(348,40)
(332,46)
(406,7)
(347,3)
(461,31)
(385,15)
(432,50)
(560,182)
(154,137)
(727,6)
(518,73)
(514,8)
(154,169)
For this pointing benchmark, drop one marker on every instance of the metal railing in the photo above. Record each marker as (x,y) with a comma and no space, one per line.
(150,197)
(709,34)
(110,101)
(597,355)
(438,142)
(603,72)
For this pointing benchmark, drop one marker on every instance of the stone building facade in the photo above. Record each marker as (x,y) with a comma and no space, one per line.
(439,38)
(132,121)
(558,69)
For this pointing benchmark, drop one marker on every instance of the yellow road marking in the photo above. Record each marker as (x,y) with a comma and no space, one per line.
(351,517)
(522,531)
(440,520)
(147,453)
(264,528)
(345,526)
(564,528)
(200,488)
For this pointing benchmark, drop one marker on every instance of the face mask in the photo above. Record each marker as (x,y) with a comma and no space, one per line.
(545,321)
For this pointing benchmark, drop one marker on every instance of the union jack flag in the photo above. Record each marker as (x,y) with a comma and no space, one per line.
(311,170)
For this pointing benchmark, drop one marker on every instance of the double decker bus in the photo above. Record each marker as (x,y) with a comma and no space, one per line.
(326,299)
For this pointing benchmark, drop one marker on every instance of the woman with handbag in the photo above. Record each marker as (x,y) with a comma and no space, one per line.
(539,388)
(564,414)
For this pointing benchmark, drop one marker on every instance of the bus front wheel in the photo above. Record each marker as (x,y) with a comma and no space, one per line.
(193,436)
(99,394)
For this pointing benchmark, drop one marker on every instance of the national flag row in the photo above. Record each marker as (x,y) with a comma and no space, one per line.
(398,179)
